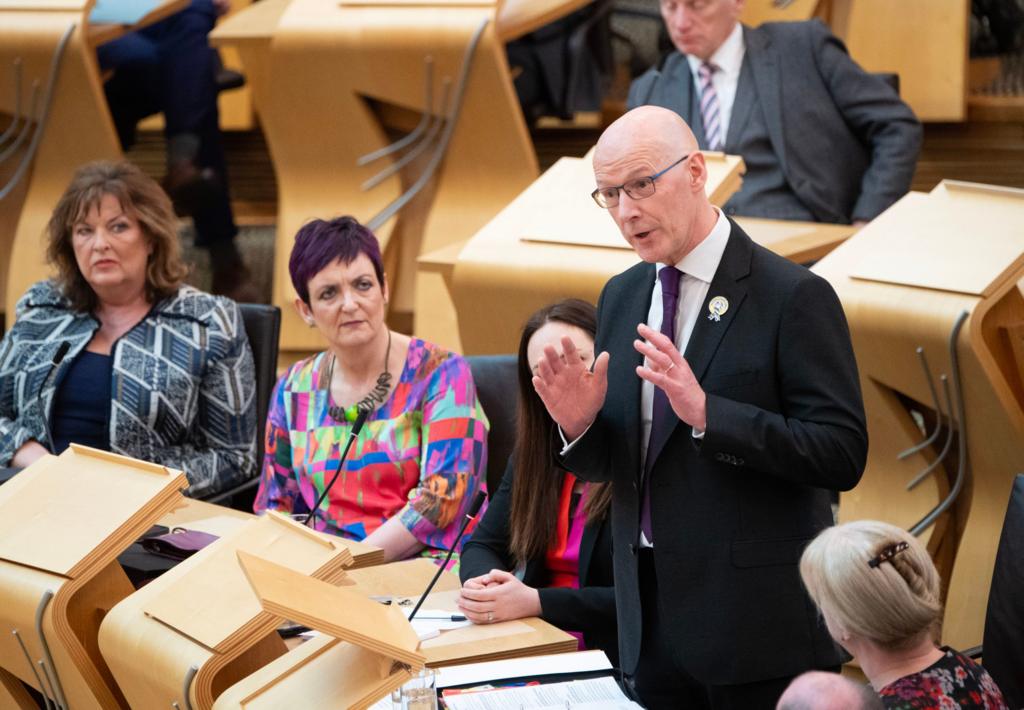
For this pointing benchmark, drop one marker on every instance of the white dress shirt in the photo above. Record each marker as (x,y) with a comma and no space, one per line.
(729,59)
(698,267)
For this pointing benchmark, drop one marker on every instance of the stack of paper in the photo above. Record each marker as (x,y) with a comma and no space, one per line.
(592,693)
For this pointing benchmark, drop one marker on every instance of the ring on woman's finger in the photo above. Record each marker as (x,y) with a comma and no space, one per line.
(490,617)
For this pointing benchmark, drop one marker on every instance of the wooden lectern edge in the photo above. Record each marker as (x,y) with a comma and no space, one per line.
(414,659)
(291,670)
(303,530)
(980,187)
(137,464)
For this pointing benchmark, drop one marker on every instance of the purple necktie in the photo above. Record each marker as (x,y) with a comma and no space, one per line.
(662,416)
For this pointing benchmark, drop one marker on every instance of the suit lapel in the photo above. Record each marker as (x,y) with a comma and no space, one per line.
(678,92)
(766,72)
(741,107)
(728,284)
(708,333)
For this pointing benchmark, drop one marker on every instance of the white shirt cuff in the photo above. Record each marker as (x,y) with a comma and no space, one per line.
(567,445)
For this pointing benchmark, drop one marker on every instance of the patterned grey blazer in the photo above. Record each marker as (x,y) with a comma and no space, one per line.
(183,388)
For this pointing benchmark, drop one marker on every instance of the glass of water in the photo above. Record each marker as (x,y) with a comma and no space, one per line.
(419,692)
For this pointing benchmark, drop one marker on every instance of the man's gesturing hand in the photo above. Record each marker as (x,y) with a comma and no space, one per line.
(572,394)
(666,368)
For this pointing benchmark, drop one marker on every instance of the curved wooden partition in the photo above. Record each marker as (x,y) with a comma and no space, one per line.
(63,521)
(54,44)
(553,242)
(336,81)
(932,261)
(75,129)
(185,637)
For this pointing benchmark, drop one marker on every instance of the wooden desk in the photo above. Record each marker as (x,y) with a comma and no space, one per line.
(314,673)
(373,53)
(199,627)
(553,242)
(222,520)
(905,280)
(63,522)
(924,42)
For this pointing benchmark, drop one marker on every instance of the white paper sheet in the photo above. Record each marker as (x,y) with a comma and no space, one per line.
(594,692)
(550,664)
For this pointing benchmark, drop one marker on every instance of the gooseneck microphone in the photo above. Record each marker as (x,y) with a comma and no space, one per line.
(357,426)
(474,509)
(58,358)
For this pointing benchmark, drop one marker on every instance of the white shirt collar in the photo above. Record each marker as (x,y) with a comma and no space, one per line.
(728,57)
(703,260)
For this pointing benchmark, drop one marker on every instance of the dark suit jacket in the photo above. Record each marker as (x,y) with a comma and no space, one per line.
(732,513)
(845,142)
(590,609)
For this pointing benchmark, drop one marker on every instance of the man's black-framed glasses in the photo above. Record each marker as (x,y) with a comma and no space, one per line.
(637,189)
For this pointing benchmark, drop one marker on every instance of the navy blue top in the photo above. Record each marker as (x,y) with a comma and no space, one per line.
(81,405)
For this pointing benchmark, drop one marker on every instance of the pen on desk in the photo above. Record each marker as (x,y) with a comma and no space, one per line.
(439,617)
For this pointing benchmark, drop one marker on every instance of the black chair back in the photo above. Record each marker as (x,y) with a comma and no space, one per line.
(495,378)
(1003,656)
(263,328)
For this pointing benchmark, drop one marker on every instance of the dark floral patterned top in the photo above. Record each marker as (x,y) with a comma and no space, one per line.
(952,682)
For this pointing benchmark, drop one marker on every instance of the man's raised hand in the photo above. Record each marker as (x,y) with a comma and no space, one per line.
(571,392)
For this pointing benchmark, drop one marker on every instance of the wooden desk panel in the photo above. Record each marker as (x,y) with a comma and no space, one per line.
(190,511)
(553,242)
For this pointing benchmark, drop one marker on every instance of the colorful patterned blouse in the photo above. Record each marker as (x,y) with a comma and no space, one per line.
(952,682)
(421,456)
(563,556)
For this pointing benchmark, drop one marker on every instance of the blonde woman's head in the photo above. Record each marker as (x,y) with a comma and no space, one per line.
(874,580)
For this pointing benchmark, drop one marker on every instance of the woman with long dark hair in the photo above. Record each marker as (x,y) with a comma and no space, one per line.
(544,546)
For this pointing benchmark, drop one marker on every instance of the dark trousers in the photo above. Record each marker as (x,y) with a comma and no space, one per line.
(661,682)
(169,68)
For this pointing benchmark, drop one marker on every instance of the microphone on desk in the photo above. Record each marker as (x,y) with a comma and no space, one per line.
(474,509)
(357,426)
(58,358)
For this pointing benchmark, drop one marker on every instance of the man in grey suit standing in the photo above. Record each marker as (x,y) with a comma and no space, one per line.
(822,139)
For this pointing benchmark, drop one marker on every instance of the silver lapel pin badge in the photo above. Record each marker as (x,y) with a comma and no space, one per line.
(718,306)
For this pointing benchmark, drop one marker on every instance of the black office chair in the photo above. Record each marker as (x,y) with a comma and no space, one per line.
(1003,651)
(495,378)
(263,328)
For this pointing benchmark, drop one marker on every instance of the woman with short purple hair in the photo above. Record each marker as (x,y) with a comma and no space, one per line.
(420,458)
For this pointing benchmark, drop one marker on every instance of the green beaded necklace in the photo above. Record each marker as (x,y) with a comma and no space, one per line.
(377,396)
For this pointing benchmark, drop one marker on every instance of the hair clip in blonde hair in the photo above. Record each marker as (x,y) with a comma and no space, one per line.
(887,553)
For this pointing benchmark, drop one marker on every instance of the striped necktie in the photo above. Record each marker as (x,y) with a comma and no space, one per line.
(709,108)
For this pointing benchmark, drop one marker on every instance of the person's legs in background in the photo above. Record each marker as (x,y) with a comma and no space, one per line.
(169,67)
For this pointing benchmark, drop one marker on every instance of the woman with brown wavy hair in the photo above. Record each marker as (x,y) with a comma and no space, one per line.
(146,366)
(544,524)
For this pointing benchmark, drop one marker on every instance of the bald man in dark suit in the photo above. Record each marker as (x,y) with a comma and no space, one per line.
(722,460)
